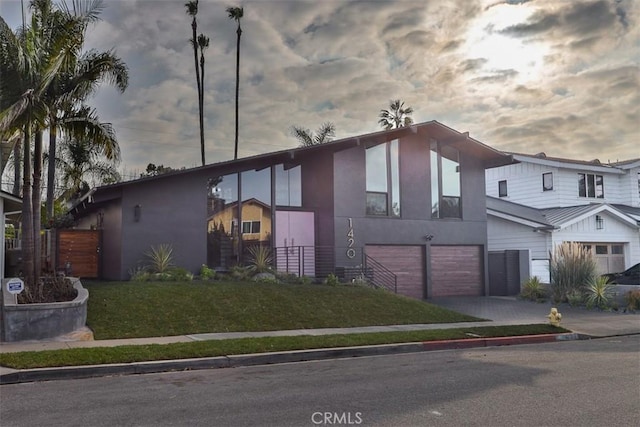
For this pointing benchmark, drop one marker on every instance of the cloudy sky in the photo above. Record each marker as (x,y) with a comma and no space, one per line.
(559,76)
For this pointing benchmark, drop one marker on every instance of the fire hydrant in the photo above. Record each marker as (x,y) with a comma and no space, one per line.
(554,317)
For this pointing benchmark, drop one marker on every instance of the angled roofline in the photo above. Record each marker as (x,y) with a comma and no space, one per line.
(510,216)
(295,155)
(627,164)
(558,162)
(596,209)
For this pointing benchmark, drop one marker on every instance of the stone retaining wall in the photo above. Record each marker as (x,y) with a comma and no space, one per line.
(23,322)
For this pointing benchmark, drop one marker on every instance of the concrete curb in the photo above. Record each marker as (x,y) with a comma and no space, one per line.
(11,376)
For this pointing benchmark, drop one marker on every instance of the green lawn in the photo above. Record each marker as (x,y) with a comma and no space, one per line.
(134,310)
(154,352)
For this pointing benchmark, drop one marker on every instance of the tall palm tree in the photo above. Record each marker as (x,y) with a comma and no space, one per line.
(192,11)
(396,117)
(236,14)
(30,59)
(325,133)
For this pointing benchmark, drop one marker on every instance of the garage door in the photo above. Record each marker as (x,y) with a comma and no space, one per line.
(456,271)
(406,262)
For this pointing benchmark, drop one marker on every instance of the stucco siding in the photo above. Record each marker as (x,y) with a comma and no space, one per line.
(172,211)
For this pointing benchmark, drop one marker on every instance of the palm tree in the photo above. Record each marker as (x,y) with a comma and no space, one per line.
(83,165)
(325,133)
(68,90)
(192,11)
(30,60)
(236,14)
(396,117)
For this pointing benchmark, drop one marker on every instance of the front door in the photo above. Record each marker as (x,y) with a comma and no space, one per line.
(295,242)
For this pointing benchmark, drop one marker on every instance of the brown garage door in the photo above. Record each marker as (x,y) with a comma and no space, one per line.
(406,262)
(456,271)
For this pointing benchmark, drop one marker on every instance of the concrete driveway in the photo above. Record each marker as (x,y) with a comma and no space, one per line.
(511,310)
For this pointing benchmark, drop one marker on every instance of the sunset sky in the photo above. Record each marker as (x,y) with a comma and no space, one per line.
(559,76)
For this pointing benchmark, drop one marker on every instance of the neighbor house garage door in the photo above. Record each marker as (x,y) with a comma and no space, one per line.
(406,262)
(456,271)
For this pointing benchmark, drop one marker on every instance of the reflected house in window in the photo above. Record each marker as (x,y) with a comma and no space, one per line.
(399,208)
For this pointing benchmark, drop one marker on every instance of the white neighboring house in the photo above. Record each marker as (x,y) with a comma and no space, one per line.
(542,201)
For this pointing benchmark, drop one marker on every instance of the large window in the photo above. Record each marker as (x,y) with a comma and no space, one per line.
(288,186)
(445,182)
(383,180)
(590,185)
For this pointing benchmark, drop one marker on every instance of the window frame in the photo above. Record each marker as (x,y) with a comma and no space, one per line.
(252,227)
(504,193)
(547,187)
(588,185)
(436,147)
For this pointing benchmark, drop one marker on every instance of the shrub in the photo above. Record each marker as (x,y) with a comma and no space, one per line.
(160,257)
(238,272)
(571,267)
(260,259)
(207,273)
(575,298)
(292,279)
(599,293)
(332,280)
(632,299)
(533,290)
(179,274)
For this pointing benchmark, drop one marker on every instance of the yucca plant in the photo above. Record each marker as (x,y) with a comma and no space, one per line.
(599,292)
(533,289)
(571,267)
(260,259)
(160,258)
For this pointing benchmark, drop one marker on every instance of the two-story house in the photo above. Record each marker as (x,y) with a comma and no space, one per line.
(543,201)
(406,203)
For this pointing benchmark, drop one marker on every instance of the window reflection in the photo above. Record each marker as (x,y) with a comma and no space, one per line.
(445,181)
(383,179)
(288,186)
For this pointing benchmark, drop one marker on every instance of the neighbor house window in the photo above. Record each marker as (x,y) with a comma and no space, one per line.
(590,185)
(383,179)
(250,227)
(599,223)
(547,181)
(445,181)
(502,188)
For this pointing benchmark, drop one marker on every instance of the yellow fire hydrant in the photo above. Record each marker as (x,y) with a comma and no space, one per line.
(554,317)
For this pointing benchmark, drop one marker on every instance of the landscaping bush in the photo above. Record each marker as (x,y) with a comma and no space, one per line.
(632,299)
(260,259)
(160,257)
(575,298)
(571,267)
(207,273)
(332,280)
(599,293)
(533,290)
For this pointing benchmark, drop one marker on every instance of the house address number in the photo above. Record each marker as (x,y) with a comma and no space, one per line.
(351,252)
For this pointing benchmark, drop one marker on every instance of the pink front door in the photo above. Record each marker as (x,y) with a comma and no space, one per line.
(295,240)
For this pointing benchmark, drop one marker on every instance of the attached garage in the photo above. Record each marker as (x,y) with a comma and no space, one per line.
(406,262)
(456,271)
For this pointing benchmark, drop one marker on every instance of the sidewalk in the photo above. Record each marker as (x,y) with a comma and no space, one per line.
(501,310)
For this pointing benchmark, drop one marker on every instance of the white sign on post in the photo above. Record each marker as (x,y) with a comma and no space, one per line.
(15,285)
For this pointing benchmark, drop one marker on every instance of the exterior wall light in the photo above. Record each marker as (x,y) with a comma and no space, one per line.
(428,237)
(137,213)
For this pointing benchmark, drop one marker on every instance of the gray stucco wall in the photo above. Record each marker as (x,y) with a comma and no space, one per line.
(317,195)
(415,222)
(172,211)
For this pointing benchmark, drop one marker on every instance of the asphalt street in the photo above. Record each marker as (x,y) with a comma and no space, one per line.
(585,383)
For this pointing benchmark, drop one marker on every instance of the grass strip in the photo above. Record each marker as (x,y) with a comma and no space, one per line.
(197,349)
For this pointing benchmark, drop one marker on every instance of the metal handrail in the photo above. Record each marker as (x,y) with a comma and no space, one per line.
(380,275)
